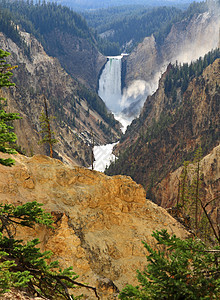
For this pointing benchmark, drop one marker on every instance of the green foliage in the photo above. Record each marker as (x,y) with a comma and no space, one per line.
(7,137)
(126,26)
(178,269)
(179,76)
(27,215)
(48,135)
(136,25)
(41,18)
(10,279)
(22,264)
(108,48)
(5,68)
(10,29)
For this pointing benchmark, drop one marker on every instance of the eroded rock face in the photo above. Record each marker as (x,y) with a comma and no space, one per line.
(18,295)
(79,57)
(141,63)
(100,221)
(182,126)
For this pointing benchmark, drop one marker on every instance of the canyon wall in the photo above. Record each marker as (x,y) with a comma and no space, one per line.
(38,75)
(168,132)
(186,41)
(79,57)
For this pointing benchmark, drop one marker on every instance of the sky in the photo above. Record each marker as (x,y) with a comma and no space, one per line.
(95,4)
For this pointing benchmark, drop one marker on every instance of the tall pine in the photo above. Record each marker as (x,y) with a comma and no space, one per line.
(46,131)
(7,136)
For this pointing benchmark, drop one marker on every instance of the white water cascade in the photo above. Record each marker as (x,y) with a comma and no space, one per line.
(110,84)
(125,106)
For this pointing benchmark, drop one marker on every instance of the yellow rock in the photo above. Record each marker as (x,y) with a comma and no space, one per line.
(100,221)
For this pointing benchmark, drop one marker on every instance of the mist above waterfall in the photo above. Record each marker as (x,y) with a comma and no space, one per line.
(136,93)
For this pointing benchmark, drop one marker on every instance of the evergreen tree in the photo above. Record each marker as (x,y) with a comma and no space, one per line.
(23,265)
(7,136)
(179,76)
(184,269)
(48,134)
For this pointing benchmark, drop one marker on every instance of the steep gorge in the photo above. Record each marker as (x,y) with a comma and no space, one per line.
(169,130)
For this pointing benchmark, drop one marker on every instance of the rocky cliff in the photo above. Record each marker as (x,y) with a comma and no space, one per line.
(78,57)
(186,41)
(100,221)
(39,74)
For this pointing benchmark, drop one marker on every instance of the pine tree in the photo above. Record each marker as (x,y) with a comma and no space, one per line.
(196,186)
(48,134)
(7,136)
(191,199)
(183,193)
(184,269)
(23,265)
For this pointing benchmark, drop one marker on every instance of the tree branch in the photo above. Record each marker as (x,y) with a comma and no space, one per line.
(210,222)
(77,283)
(210,201)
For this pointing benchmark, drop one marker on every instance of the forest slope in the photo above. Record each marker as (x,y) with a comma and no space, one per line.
(63,33)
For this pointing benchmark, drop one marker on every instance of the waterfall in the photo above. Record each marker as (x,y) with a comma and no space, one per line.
(110,84)
(122,106)
(125,106)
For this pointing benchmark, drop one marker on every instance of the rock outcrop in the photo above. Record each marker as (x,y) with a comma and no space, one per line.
(167,189)
(18,295)
(166,192)
(100,221)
